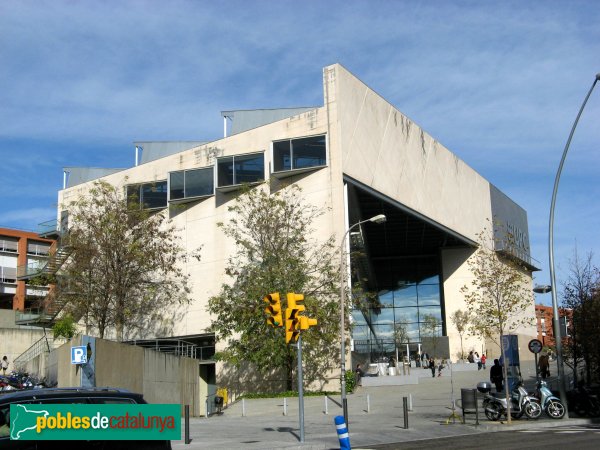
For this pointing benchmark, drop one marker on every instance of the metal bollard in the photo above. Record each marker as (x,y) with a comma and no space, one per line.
(243,407)
(368,403)
(326,406)
(187,424)
(342,432)
(285,406)
(410,407)
(405,408)
(206,409)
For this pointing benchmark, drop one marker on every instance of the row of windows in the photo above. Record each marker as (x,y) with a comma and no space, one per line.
(231,171)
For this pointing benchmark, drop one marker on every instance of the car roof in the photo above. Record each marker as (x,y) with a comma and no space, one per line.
(32,394)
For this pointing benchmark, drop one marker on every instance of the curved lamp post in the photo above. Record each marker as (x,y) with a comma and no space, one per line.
(555,324)
(380,218)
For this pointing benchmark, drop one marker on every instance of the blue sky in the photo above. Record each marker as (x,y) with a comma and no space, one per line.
(497,82)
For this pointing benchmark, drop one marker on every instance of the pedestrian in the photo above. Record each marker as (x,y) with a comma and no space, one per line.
(544,366)
(432,366)
(441,366)
(496,375)
(471,357)
(359,374)
(483,360)
(4,365)
(478,361)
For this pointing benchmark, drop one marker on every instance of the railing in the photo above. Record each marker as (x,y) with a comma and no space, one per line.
(40,346)
(48,227)
(179,348)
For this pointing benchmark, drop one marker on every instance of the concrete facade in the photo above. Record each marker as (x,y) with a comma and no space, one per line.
(370,144)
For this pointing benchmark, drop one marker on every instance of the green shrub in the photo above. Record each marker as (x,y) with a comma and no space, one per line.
(64,327)
(286,394)
(350,381)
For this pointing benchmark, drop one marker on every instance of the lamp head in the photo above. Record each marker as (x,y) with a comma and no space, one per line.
(380,218)
(543,289)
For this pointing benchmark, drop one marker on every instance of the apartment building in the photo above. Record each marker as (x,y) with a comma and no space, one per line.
(20,250)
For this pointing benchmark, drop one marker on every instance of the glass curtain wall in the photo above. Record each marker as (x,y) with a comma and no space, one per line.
(404,311)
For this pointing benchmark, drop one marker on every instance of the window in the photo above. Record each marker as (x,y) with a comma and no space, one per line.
(8,244)
(297,154)
(38,248)
(147,195)
(238,169)
(191,184)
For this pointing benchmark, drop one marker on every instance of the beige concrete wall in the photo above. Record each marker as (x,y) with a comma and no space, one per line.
(456,274)
(15,339)
(159,377)
(386,150)
(197,222)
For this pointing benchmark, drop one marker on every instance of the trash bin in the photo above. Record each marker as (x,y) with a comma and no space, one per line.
(468,403)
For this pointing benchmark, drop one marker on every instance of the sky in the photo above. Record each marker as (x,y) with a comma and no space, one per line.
(499,83)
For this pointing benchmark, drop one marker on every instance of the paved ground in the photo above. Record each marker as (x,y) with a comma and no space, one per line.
(375,416)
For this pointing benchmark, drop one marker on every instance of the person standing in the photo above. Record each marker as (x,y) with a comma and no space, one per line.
(4,365)
(544,365)
(483,360)
(359,374)
(432,366)
(496,375)
(478,361)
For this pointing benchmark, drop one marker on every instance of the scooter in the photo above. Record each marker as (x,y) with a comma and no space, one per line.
(495,407)
(548,401)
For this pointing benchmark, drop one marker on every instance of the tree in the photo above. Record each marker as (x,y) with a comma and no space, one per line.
(274,253)
(500,292)
(125,269)
(460,319)
(431,328)
(581,295)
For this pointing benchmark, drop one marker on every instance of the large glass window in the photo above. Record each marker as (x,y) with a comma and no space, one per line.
(234,170)
(194,183)
(147,195)
(299,153)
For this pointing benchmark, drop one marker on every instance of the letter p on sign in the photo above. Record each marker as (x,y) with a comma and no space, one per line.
(79,355)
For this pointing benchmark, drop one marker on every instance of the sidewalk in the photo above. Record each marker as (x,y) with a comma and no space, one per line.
(265,427)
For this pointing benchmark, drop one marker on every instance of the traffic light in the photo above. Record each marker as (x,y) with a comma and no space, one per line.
(273,309)
(291,325)
(292,316)
(292,302)
(307,322)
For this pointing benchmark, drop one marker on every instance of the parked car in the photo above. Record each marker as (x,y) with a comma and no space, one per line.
(71,396)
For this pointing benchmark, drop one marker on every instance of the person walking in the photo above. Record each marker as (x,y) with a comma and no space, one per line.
(4,365)
(478,361)
(496,375)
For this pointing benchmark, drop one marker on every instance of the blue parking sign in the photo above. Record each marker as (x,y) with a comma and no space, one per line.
(79,355)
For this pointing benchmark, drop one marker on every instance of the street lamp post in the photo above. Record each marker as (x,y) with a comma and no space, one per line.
(555,324)
(380,218)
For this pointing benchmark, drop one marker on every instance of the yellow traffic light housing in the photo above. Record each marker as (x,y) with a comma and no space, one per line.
(273,309)
(293,301)
(292,324)
(307,322)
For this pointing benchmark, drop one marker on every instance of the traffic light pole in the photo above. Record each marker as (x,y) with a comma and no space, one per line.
(300,389)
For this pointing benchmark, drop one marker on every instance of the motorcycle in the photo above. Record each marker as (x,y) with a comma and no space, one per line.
(548,401)
(494,405)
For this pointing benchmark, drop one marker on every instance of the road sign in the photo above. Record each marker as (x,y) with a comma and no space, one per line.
(535,346)
(79,355)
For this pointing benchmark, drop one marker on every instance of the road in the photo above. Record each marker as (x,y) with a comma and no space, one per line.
(581,437)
